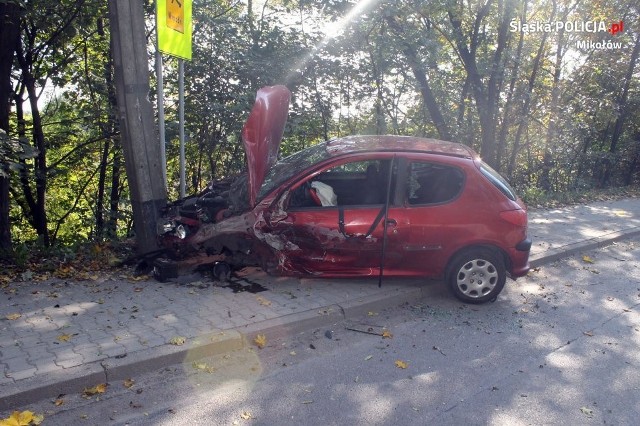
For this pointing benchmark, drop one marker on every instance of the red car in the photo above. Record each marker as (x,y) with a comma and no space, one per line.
(357,206)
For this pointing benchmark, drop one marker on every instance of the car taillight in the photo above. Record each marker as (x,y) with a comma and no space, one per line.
(515,217)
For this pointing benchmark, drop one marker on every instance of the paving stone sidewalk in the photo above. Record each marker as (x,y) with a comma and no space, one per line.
(59,336)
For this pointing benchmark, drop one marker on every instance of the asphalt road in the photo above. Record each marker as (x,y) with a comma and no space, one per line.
(561,346)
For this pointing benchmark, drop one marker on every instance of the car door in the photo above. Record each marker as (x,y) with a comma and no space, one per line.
(346,237)
(437,218)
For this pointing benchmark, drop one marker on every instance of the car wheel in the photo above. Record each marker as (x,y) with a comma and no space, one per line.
(476,276)
(159,274)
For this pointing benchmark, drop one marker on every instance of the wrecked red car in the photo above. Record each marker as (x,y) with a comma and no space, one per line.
(355,206)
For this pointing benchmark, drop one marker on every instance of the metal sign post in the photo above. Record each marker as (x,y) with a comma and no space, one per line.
(173,21)
(160,102)
(183,182)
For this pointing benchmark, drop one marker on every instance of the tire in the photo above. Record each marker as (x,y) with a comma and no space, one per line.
(159,274)
(476,276)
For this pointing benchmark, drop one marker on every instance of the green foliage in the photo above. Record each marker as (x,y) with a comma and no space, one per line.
(13,153)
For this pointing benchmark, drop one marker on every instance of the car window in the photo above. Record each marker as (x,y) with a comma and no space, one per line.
(433,183)
(355,183)
(498,181)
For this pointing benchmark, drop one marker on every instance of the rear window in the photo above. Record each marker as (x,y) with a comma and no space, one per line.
(433,183)
(498,181)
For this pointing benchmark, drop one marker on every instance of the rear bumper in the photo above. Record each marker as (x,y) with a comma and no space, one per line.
(520,259)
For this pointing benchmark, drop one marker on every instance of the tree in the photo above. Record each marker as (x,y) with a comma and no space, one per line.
(9,33)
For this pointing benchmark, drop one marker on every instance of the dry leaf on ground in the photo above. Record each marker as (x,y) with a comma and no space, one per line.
(22,418)
(203,366)
(101,388)
(178,340)
(260,341)
(401,364)
(263,301)
(64,337)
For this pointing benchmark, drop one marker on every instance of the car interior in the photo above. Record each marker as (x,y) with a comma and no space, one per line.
(358,183)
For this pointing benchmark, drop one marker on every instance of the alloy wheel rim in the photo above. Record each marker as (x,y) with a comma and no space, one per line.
(477,278)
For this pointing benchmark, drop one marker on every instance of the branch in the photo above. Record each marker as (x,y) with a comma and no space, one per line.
(75,204)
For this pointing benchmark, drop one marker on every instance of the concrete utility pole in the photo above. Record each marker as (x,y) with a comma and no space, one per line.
(139,139)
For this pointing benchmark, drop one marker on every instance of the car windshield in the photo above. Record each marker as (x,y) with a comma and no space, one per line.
(290,166)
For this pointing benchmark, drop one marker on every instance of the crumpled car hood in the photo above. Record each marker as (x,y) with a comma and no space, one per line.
(262,134)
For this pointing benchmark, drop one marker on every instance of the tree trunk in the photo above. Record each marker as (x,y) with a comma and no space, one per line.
(9,33)
(547,160)
(39,213)
(486,95)
(526,105)
(622,109)
(417,69)
(506,119)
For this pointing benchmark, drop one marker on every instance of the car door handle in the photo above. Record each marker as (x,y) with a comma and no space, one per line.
(392,222)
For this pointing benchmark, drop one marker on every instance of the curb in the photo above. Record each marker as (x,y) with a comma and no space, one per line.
(74,380)
(554,254)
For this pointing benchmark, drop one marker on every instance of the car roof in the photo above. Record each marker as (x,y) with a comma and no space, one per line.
(362,143)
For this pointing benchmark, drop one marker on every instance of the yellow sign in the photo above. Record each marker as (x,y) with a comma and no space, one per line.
(173,20)
(175,15)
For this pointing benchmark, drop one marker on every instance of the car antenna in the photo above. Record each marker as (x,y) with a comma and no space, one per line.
(385,223)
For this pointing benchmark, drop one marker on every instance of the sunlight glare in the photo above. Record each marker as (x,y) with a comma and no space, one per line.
(335,28)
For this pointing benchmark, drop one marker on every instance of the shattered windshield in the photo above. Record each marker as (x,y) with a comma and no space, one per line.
(290,166)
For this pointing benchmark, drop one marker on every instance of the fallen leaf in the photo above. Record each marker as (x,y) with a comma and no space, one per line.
(18,418)
(58,402)
(387,334)
(128,383)
(138,278)
(587,259)
(401,364)
(13,317)
(64,337)
(263,301)
(260,341)
(372,314)
(203,366)
(178,340)
(246,415)
(88,392)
